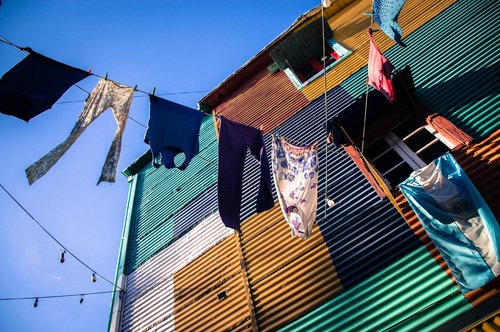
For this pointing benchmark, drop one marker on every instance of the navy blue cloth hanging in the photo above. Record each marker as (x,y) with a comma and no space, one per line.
(35,84)
(172,129)
(234,139)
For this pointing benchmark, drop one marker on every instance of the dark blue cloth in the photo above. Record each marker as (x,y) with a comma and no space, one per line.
(385,13)
(35,84)
(234,138)
(172,129)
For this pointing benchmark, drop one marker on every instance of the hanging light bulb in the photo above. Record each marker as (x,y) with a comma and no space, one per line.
(61,259)
(81,299)
(94,278)
(330,202)
(36,303)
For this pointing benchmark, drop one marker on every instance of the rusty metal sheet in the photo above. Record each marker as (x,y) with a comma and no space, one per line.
(267,100)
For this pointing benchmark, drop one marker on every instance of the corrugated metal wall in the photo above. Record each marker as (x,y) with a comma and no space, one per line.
(481,162)
(210,294)
(350,29)
(149,299)
(362,233)
(411,294)
(454,61)
(267,99)
(161,194)
(288,276)
(365,267)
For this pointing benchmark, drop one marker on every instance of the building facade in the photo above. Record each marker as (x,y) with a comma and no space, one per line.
(369,264)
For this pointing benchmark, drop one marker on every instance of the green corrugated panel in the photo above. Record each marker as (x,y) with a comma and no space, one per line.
(162,192)
(413,294)
(173,188)
(169,182)
(454,61)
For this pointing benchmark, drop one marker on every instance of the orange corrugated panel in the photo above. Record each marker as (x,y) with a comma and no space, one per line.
(288,276)
(491,324)
(209,293)
(481,163)
(268,99)
(350,28)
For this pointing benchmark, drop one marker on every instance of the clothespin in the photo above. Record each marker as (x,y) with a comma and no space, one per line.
(106,77)
(154,90)
(329,138)
(90,70)
(261,128)
(135,88)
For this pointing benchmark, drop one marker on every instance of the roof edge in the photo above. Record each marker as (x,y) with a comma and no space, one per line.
(209,102)
(138,164)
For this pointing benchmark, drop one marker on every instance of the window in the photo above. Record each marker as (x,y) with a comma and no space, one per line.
(313,68)
(398,139)
(300,55)
(406,147)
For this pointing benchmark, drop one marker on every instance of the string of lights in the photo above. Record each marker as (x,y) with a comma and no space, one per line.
(55,296)
(66,250)
(37,298)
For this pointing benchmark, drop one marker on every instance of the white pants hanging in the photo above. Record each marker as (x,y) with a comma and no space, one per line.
(295,173)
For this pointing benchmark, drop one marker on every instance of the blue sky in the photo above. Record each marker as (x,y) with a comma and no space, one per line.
(175,46)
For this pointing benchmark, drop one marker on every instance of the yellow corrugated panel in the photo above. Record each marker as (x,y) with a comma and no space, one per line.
(288,276)
(209,292)
(491,324)
(350,28)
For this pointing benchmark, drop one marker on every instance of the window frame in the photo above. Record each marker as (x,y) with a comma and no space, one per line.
(409,157)
(407,106)
(341,51)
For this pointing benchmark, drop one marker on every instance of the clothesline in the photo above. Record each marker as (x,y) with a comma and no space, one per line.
(8,42)
(158,94)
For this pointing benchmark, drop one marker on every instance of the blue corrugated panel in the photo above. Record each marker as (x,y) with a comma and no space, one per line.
(161,194)
(196,211)
(363,233)
(454,61)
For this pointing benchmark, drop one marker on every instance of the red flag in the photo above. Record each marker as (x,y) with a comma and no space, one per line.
(379,71)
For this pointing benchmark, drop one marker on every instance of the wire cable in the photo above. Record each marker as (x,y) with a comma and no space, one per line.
(139,123)
(366,100)
(57,241)
(54,296)
(326,106)
(158,94)
(8,42)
